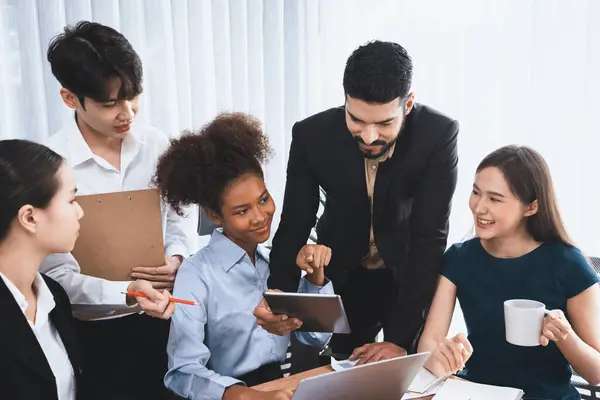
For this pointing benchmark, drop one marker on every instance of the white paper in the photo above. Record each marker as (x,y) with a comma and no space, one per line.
(432,390)
(454,389)
(342,365)
(424,381)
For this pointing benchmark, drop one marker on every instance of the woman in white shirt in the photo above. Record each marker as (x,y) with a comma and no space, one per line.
(39,356)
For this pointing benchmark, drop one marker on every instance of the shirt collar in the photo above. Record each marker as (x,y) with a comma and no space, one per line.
(78,150)
(45,299)
(229,253)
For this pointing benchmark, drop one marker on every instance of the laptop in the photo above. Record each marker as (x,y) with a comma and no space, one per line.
(383,380)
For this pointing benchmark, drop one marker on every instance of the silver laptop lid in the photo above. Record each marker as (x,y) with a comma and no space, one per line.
(383,380)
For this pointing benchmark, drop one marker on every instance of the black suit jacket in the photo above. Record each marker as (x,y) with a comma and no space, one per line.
(24,370)
(411,206)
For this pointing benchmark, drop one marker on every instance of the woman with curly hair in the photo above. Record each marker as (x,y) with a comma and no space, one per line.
(216,348)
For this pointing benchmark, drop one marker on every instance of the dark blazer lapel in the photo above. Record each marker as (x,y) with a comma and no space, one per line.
(62,319)
(348,155)
(387,170)
(18,339)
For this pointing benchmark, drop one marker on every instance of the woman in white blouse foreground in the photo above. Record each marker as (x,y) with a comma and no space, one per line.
(39,355)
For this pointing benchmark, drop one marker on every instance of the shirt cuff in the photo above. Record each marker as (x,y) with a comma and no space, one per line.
(215,389)
(112,293)
(177,249)
(307,287)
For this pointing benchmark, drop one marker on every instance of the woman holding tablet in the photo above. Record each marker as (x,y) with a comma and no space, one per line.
(216,348)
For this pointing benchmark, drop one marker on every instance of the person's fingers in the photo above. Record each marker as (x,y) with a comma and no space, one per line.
(358,352)
(168,311)
(462,338)
(548,334)
(442,361)
(164,303)
(458,357)
(264,314)
(556,331)
(159,285)
(150,277)
(323,260)
(379,357)
(328,257)
(544,341)
(450,357)
(304,265)
(555,314)
(167,270)
(308,253)
(282,328)
(315,261)
(148,306)
(367,357)
(147,289)
(162,270)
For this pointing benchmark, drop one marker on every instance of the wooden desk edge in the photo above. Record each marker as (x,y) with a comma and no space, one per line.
(291,382)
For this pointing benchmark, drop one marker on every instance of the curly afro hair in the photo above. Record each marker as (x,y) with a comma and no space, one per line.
(198,167)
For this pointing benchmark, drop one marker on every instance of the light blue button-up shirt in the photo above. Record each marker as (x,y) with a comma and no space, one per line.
(211,343)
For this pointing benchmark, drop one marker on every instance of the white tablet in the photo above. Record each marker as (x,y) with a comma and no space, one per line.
(318,312)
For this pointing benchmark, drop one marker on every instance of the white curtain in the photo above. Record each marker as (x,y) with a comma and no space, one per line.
(511,71)
(200,57)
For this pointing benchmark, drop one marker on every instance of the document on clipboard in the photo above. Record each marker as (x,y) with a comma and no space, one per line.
(119,231)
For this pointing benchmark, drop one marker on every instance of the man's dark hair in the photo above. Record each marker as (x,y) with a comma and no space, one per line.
(86,57)
(378,72)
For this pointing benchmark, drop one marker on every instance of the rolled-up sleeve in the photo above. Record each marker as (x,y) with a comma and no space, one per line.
(87,294)
(188,375)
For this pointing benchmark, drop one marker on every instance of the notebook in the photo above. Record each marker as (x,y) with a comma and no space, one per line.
(455,389)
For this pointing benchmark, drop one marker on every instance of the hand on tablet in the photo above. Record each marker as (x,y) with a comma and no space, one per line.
(276,324)
(313,258)
(373,352)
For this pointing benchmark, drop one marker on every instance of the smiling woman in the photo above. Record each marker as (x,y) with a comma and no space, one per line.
(521,251)
(219,344)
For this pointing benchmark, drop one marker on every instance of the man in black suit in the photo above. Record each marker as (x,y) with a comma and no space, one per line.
(388,167)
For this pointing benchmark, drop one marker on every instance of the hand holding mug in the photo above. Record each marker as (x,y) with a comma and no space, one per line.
(556,328)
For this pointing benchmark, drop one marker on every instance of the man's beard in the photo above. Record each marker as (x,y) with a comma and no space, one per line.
(386,146)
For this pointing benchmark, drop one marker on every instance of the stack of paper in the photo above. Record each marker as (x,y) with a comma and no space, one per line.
(455,389)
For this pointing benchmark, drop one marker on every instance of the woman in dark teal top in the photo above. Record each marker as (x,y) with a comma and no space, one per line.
(521,252)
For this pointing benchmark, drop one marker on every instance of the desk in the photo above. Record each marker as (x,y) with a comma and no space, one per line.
(291,382)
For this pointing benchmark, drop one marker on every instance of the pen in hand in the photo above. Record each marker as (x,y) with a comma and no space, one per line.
(171,299)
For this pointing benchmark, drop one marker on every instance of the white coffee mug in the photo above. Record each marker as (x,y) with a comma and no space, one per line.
(523,320)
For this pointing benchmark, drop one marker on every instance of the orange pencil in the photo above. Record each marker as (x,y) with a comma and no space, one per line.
(171,299)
